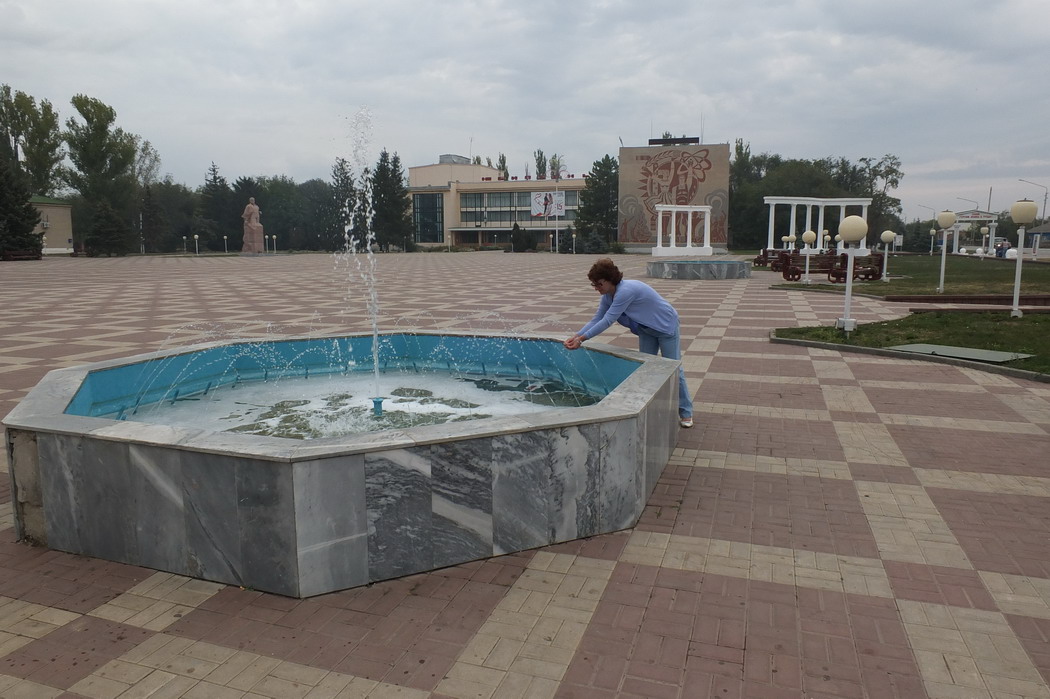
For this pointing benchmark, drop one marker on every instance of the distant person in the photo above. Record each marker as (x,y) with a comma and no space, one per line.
(638,307)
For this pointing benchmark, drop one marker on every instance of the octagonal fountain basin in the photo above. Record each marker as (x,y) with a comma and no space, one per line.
(99,468)
(699,269)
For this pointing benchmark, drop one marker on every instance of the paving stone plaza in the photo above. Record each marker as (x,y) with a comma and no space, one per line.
(835,525)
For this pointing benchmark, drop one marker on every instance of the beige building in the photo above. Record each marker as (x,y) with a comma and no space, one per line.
(459,204)
(673,173)
(56,224)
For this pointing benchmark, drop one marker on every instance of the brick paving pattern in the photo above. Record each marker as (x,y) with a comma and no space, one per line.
(836,525)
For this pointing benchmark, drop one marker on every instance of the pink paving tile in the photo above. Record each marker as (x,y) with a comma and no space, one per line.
(761,436)
(940,403)
(72,652)
(980,452)
(774,510)
(908,371)
(774,395)
(766,367)
(999,533)
(939,585)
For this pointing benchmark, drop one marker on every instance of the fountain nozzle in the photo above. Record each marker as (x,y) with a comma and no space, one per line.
(377,406)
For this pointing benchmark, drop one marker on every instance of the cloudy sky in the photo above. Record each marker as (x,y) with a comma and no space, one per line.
(957,89)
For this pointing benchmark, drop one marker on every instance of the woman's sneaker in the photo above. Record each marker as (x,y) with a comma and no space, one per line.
(686,422)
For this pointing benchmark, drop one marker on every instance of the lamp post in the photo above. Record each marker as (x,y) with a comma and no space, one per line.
(933,234)
(196,245)
(945,219)
(887,237)
(791,241)
(184,244)
(1046,190)
(985,245)
(573,243)
(808,239)
(1023,213)
(852,229)
(273,241)
(225,245)
(827,240)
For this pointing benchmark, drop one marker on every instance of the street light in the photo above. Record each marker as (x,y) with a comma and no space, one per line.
(225,245)
(573,243)
(852,229)
(945,219)
(887,237)
(808,239)
(273,241)
(184,244)
(1023,213)
(1046,190)
(196,245)
(933,233)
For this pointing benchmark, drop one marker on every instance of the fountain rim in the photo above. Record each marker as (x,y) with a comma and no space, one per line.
(43,408)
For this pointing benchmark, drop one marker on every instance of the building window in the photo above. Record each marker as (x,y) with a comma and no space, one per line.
(523,199)
(428,217)
(500,200)
(572,197)
(471,201)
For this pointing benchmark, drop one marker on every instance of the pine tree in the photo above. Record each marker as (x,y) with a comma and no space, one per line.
(18,218)
(109,233)
(599,201)
(391,207)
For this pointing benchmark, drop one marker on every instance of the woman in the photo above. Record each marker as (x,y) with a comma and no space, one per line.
(637,306)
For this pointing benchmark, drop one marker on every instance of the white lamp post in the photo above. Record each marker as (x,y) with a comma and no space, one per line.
(945,219)
(225,245)
(985,245)
(933,234)
(808,238)
(573,243)
(852,229)
(887,237)
(184,244)
(1023,213)
(273,243)
(196,245)
(791,240)
(827,239)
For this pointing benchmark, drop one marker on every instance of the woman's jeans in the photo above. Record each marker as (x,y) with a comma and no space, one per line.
(652,342)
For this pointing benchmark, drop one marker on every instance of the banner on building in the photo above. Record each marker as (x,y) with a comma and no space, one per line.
(548,204)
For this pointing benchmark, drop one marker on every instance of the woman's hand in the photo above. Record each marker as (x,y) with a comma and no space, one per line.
(574,342)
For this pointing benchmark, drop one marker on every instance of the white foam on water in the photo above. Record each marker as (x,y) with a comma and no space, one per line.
(331,406)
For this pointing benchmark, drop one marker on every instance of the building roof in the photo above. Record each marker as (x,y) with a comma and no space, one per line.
(49,200)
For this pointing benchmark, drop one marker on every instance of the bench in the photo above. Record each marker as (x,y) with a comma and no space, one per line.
(833,264)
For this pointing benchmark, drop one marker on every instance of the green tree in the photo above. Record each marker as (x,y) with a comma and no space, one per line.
(541,164)
(501,165)
(391,207)
(178,204)
(153,222)
(284,211)
(35,132)
(556,166)
(109,234)
(599,201)
(218,212)
(103,156)
(18,218)
(320,216)
(344,200)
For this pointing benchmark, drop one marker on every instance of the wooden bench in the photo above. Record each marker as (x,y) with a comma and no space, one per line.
(833,264)
(766,257)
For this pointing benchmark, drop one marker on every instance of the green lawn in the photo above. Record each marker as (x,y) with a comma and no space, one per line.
(918,274)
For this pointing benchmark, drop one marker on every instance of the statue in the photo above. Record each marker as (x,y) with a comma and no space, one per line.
(253,230)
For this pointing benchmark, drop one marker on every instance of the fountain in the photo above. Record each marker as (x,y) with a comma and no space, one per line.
(121,460)
(302,517)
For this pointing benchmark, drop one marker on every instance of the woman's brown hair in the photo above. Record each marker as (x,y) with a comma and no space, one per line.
(605,269)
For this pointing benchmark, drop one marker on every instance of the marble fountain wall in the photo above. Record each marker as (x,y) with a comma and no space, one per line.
(302,518)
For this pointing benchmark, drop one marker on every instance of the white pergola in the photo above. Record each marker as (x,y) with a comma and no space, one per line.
(810,203)
(964,219)
(688,210)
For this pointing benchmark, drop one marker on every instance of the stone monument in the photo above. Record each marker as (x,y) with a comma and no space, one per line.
(253,230)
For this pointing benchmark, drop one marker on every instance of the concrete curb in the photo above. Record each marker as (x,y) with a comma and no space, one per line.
(899,354)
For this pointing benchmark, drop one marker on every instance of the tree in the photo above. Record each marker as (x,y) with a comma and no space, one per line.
(18,218)
(109,234)
(556,166)
(218,211)
(103,156)
(541,164)
(153,222)
(146,168)
(599,200)
(177,204)
(344,199)
(33,131)
(391,215)
(501,165)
